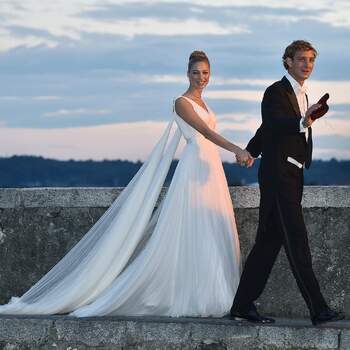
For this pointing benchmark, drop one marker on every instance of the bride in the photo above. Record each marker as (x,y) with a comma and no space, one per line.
(182,259)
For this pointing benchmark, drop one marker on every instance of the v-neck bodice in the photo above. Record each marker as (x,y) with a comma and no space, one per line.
(193,101)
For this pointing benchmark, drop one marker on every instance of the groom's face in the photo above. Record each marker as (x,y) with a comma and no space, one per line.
(301,65)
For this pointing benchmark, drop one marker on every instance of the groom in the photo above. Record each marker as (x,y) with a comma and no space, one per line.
(285,141)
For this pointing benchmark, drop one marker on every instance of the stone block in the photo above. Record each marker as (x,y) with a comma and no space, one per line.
(157,335)
(229,336)
(18,331)
(345,340)
(299,338)
(91,332)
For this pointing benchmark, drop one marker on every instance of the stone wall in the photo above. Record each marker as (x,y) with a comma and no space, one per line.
(166,333)
(37,227)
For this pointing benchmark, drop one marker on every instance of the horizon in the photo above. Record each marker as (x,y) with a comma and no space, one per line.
(139,160)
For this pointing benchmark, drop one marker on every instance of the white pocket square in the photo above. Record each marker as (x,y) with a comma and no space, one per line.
(295,162)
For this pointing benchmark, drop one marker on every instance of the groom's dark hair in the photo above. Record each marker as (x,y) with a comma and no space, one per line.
(294,47)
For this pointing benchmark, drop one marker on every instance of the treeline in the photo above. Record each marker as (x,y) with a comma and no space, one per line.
(30,171)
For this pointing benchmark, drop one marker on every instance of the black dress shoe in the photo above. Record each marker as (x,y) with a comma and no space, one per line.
(252,316)
(327,315)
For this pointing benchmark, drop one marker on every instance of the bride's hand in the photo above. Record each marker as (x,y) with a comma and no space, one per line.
(243,157)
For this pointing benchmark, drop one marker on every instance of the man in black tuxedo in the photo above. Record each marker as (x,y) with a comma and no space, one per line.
(285,141)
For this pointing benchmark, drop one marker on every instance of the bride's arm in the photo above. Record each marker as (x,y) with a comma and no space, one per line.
(185,110)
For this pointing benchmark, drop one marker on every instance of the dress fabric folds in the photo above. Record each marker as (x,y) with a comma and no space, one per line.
(182,259)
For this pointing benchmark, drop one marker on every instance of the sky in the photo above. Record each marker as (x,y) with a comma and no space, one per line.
(96,79)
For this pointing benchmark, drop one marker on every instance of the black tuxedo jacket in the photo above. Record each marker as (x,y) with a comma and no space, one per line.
(278,138)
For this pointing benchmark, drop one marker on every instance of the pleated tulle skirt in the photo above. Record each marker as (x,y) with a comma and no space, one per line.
(190,263)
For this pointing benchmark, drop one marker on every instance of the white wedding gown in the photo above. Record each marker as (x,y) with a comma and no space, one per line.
(182,259)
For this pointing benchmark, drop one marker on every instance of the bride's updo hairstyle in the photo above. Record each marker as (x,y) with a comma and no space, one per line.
(197,56)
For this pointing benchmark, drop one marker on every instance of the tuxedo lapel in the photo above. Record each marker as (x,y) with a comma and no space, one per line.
(291,95)
(293,100)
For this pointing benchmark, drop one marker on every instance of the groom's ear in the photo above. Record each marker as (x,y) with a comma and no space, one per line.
(288,61)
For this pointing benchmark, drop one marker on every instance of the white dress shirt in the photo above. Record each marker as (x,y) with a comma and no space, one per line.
(300,93)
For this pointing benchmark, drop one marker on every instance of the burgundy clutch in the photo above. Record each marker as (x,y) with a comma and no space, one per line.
(323,109)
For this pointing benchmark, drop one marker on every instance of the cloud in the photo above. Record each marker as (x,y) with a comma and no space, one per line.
(132,141)
(73,24)
(88,63)
(338,90)
(243,123)
(243,95)
(9,40)
(146,26)
(33,98)
(46,98)
(79,18)
(335,13)
(337,112)
(214,81)
(78,112)
(335,141)
(332,126)
(329,153)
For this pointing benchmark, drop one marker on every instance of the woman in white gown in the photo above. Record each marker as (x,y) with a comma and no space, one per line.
(182,259)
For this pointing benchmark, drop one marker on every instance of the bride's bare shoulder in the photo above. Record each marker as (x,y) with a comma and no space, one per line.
(182,103)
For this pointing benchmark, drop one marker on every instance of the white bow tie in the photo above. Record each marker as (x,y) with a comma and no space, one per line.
(301,89)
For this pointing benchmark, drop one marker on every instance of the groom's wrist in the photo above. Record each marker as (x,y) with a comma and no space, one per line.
(305,122)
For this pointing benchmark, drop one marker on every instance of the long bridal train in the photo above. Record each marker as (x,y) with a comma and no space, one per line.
(182,259)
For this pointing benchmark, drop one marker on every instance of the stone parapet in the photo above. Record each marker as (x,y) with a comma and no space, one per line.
(38,226)
(161,333)
(75,197)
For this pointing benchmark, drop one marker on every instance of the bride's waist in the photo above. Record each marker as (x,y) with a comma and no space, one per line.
(196,139)
(201,144)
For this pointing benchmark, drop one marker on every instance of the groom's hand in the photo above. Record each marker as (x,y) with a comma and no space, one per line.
(245,159)
(307,119)
(250,161)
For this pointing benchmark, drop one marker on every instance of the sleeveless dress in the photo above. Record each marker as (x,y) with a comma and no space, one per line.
(188,261)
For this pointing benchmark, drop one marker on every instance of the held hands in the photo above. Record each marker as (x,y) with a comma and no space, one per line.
(244,158)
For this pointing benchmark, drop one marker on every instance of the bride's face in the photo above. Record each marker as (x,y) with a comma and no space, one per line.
(199,75)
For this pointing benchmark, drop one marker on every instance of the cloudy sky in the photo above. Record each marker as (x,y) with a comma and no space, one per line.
(95,79)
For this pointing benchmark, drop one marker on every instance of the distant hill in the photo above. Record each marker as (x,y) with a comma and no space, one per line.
(30,171)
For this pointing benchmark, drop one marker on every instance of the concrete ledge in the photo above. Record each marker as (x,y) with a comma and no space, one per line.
(78,197)
(60,332)
(38,226)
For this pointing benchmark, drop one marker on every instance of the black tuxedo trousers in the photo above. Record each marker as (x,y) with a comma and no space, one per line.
(285,227)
